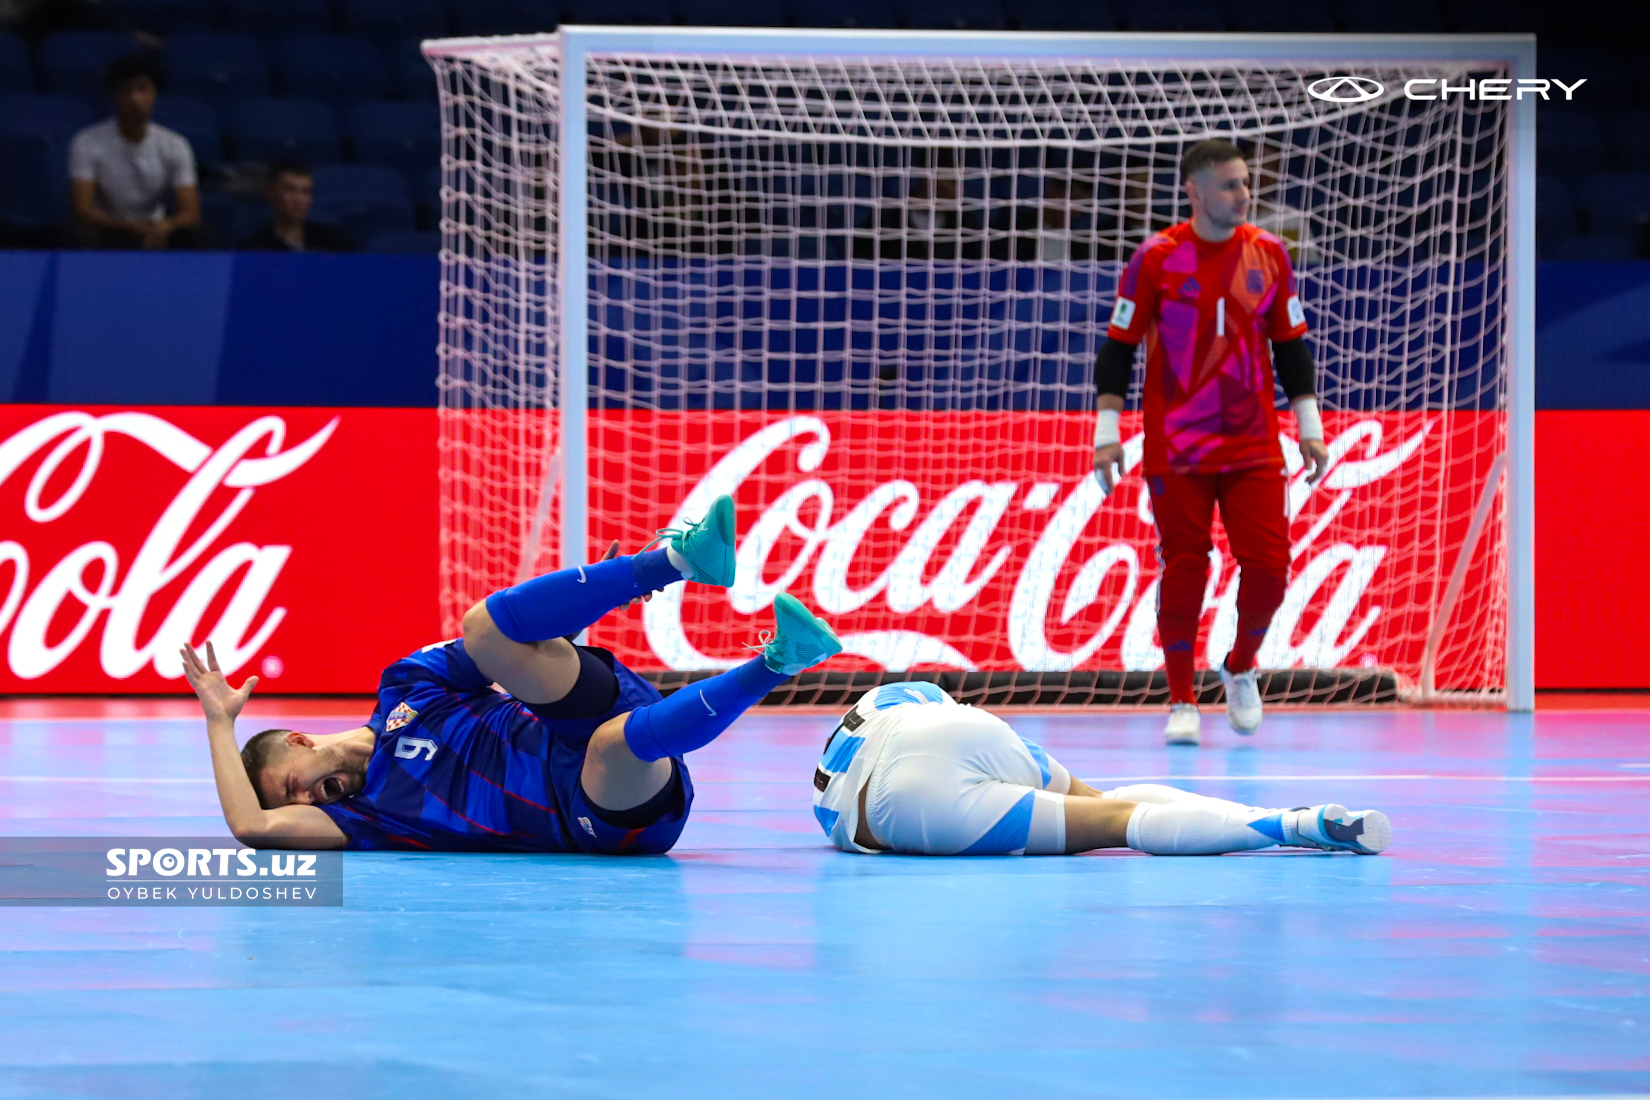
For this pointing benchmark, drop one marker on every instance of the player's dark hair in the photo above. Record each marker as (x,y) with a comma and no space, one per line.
(123,70)
(290,167)
(256,756)
(1207,154)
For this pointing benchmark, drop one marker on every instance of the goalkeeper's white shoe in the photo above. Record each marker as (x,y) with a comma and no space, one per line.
(1243,708)
(1337,829)
(1184,725)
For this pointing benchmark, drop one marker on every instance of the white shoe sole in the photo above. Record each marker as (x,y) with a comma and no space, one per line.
(1375,838)
(1226,679)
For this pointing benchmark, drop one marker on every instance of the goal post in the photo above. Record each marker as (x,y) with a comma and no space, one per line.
(857,279)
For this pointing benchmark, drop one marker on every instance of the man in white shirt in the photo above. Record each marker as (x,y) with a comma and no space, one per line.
(123,170)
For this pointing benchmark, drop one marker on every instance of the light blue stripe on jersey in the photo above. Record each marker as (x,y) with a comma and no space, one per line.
(843,750)
(1041,757)
(911,691)
(827,818)
(1008,835)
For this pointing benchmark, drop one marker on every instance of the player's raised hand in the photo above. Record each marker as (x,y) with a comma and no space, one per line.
(1108,466)
(613,552)
(1316,456)
(217,698)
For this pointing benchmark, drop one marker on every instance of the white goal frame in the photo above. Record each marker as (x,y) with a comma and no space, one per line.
(1517,52)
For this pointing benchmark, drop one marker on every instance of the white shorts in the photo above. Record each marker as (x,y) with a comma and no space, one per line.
(954,780)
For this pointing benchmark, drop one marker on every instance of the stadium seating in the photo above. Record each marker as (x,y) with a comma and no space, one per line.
(365,200)
(336,68)
(523,16)
(414,79)
(427,197)
(73,62)
(1630,138)
(403,136)
(16,71)
(273,18)
(1273,16)
(1170,15)
(1392,17)
(1617,202)
(219,68)
(841,13)
(197,121)
(35,131)
(1069,15)
(1500,16)
(977,15)
(406,240)
(394,19)
(706,13)
(273,129)
(1555,212)
(1570,142)
(167,16)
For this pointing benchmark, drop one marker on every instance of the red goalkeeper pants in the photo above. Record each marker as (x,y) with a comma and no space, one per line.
(1253,507)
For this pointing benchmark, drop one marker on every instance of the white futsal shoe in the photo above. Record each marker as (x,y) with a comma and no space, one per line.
(1184,725)
(1242,699)
(1337,829)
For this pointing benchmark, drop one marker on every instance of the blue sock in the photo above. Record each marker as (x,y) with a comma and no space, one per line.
(569,600)
(694,716)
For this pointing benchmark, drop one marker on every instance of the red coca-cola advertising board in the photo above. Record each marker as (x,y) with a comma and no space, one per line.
(302,541)
(981,541)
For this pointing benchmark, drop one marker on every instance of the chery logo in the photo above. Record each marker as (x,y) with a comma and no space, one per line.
(91,576)
(1345,89)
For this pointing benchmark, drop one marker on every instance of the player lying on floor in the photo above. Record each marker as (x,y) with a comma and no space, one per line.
(911,770)
(576,753)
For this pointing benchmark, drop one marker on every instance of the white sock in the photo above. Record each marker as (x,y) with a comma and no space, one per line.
(1201,828)
(1158,793)
(679,562)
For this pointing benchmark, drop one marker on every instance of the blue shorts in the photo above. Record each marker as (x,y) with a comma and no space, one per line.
(584,828)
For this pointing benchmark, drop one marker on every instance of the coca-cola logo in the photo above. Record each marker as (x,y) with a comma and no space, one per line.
(824,535)
(184,544)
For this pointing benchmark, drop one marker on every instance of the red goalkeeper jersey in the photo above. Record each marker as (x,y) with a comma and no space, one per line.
(1207,313)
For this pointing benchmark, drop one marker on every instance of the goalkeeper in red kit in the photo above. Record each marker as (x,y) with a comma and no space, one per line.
(1214,299)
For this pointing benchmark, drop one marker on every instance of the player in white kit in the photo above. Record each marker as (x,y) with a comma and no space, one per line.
(911,770)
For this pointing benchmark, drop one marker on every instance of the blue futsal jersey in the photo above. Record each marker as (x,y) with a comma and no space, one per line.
(461,766)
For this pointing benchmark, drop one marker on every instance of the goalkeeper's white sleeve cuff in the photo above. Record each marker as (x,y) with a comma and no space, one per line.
(1106,430)
(1307,419)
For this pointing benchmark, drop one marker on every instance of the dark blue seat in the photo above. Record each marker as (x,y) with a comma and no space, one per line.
(403,136)
(1570,142)
(35,131)
(1555,213)
(1616,202)
(218,68)
(710,13)
(427,196)
(1283,17)
(980,15)
(250,215)
(516,16)
(1066,15)
(414,78)
(1393,17)
(1630,135)
(73,62)
(1170,15)
(841,13)
(197,121)
(276,129)
(333,67)
(218,214)
(167,16)
(392,19)
(408,241)
(273,18)
(364,200)
(16,74)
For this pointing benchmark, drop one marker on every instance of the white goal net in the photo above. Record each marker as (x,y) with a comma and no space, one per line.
(864,294)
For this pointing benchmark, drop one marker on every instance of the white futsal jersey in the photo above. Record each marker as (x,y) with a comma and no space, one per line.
(940,778)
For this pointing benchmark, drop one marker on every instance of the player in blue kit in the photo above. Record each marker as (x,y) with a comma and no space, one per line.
(576,753)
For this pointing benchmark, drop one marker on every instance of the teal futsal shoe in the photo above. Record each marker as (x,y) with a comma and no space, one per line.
(1337,829)
(709,546)
(800,640)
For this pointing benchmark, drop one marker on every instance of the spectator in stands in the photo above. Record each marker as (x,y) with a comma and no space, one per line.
(291,191)
(123,170)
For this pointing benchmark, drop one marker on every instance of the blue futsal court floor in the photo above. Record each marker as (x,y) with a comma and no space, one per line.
(1500,948)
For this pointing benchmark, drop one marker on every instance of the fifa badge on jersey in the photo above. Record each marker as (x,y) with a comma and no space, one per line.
(1297,315)
(402,715)
(1122,313)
